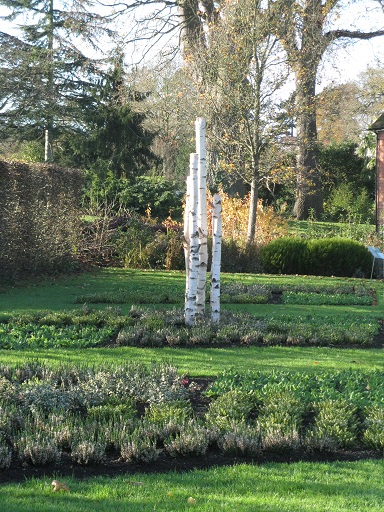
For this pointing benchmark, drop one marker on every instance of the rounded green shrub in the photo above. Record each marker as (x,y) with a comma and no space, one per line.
(232,407)
(287,255)
(335,426)
(340,257)
(374,434)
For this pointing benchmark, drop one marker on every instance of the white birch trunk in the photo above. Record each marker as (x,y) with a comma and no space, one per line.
(200,126)
(216,259)
(186,232)
(193,263)
(47,147)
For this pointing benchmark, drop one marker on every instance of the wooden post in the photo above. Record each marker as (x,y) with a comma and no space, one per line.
(216,259)
(200,126)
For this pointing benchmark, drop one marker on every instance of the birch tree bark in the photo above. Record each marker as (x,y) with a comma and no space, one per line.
(202,216)
(216,259)
(186,231)
(193,263)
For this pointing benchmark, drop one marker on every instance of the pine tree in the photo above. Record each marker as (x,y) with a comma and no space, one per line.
(46,80)
(113,139)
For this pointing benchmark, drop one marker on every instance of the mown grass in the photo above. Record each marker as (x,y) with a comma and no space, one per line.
(70,292)
(61,294)
(297,487)
(208,362)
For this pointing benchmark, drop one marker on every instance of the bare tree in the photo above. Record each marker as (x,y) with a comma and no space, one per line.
(244,70)
(303,29)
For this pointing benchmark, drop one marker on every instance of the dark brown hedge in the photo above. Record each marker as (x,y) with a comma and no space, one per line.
(39,219)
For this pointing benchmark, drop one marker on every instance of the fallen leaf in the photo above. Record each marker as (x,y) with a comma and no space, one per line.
(59,486)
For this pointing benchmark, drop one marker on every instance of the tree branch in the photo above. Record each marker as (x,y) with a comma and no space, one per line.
(332,35)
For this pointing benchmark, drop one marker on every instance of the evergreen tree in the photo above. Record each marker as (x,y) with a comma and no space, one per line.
(113,140)
(46,80)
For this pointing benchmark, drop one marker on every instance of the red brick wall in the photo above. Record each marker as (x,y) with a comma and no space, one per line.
(380,181)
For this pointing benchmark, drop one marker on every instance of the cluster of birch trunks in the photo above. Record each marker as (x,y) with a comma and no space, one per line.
(196,236)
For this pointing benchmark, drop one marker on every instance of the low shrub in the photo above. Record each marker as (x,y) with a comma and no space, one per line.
(374,423)
(365,389)
(87,451)
(231,407)
(249,414)
(338,257)
(287,255)
(108,412)
(18,337)
(335,427)
(160,414)
(143,327)
(5,455)
(139,447)
(324,257)
(340,299)
(241,440)
(280,420)
(192,440)
(38,448)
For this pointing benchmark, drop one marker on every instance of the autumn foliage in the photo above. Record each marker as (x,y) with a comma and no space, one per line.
(235,220)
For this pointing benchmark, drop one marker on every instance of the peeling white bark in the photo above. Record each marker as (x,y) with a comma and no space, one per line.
(200,126)
(216,259)
(193,263)
(186,231)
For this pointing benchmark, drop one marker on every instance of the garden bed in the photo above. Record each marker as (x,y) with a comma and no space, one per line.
(144,327)
(85,421)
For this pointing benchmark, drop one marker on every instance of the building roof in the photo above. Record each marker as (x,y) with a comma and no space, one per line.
(378,124)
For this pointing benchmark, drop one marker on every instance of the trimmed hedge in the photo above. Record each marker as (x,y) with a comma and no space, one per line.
(340,257)
(39,219)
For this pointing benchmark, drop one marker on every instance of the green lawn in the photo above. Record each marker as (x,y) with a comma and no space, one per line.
(297,487)
(209,362)
(64,293)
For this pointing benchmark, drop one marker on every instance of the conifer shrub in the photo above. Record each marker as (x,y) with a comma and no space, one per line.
(340,257)
(286,255)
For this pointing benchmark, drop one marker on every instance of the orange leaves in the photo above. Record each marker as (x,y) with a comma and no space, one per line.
(234,216)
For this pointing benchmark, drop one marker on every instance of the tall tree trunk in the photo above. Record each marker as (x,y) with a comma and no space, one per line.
(191,285)
(252,214)
(309,193)
(48,154)
(202,217)
(216,259)
(187,227)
